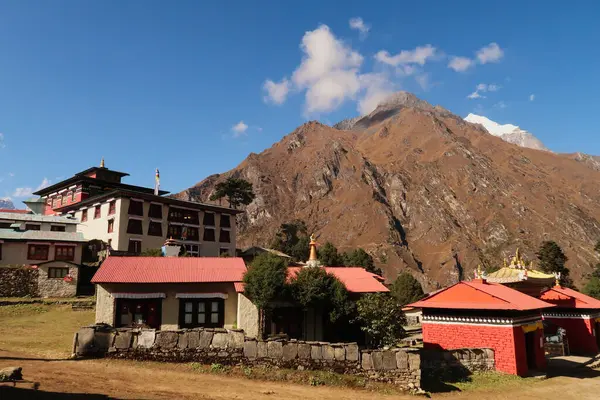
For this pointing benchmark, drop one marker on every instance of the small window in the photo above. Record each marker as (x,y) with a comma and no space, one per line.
(65,198)
(111,225)
(189,233)
(135,246)
(112,207)
(174,231)
(55,202)
(38,252)
(201,313)
(209,219)
(64,253)
(155,211)
(136,208)
(135,226)
(224,236)
(154,229)
(192,250)
(97,212)
(69,196)
(57,228)
(84,214)
(224,252)
(32,227)
(225,221)
(57,273)
(191,217)
(209,235)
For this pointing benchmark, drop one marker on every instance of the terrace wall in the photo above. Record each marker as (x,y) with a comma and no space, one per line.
(18,281)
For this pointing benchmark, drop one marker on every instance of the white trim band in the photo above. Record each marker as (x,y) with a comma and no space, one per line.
(201,295)
(138,295)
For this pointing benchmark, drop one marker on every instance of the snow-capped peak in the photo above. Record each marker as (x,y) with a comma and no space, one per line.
(508,132)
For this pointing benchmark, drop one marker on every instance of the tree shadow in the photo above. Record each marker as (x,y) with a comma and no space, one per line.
(571,369)
(14,393)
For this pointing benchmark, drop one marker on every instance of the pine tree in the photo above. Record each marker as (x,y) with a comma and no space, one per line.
(237,191)
(406,289)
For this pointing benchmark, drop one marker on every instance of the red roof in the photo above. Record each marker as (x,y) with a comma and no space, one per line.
(569,298)
(478,295)
(356,279)
(15,211)
(170,270)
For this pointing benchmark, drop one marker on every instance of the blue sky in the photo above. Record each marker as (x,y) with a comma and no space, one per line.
(151,84)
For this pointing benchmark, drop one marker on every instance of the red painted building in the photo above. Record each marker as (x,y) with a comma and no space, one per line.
(478,314)
(578,314)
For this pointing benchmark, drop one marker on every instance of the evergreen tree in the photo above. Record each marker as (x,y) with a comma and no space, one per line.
(292,239)
(381,317)
(360,258)
(151,253)
(592,288)
(237,191)
(552,260)
(329,256)
(406,289)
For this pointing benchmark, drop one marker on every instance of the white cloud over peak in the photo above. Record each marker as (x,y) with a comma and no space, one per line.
(460,64)
(482,88)
(239,129)
(377,88)
(490,53)
(276,92)
(419,55)
(531,97)
(359,25)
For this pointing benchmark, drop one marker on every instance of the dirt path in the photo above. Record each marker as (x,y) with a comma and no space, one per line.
(135,380)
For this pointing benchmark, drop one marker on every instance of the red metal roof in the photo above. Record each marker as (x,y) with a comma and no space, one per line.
(356,279)
(479,295)
(15,211)
(569,298)
(170,270)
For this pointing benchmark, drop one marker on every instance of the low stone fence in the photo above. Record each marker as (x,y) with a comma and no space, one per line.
(232,347)
(452,365)
(18,281)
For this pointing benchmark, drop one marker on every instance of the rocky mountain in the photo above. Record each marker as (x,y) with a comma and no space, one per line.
(510,133)
(422,190)
(6,203)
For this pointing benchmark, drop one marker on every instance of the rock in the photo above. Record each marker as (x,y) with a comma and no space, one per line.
(165,340)
(389,360)
(367,361)
(339,353)
(315,352)
(290,351)
(402,360)
(250,349)
(414,361)
(123,340)
(327,352)
(377,360)
(220,341)
(304,351)
(236,339)
(182,343)
(146,338)
(193,339)
(11,374)
(104,340)
(352,352)
(85,340)
(206,338)
(262,350)
(275,349)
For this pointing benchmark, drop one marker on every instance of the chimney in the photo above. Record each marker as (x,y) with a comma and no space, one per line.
(171,248)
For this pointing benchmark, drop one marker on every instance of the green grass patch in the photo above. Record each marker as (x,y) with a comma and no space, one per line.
(491,380)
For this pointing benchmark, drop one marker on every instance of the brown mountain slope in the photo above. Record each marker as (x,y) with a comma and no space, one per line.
(420,189)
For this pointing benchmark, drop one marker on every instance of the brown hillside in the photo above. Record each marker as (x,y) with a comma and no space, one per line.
(420,188)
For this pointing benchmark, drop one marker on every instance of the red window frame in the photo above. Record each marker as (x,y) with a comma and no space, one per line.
(97,212)
(64,253)
(111,225)
(38,251)
(112,207)
(84,215)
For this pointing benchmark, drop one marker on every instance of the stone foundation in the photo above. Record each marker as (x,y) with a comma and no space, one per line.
(18,282)
(453,365)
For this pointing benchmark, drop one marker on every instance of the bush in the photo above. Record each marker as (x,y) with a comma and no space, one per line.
(381,317)
(406,289)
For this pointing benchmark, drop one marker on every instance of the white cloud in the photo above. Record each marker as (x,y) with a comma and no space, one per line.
(500,104)
(276,92)
(359,25)
(239,129)
(531,97)
(2,145)
(460,64)
(482,88)
(45,183)
(490,53)
(23,192)
(423,81)
(377,88)
(475,95)
(419,55)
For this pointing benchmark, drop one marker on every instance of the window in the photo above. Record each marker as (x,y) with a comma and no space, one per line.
(208,313)
(174,231)
(54,202)
(38,252)
(5,225)
(224,252)
(111,225)
(209,235)
(32,227)
(192,250)
(97,212)
(69,197)
(135,226)
(64,253)
(57,273)
(57,228)
(138,313)
(224,236)
(209,219)
(135,246)
(155,229)
(112,207)
(136,207)
(189,233)
(84,214)
(181,215)
(155,211)
(65,198)
(225,221)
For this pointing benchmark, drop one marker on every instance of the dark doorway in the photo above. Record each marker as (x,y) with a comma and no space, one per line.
(530,346)
(85,287)
(286,321)
(138,313)
(597,331)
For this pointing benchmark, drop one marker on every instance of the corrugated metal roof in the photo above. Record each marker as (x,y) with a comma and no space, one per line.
(11,234)
(170,270)
(356,279)
(478,295)
(37,218)
(569,298)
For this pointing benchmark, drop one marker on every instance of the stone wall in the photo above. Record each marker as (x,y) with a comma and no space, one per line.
(18,282)
(57,287)
(232,347)
(451,365)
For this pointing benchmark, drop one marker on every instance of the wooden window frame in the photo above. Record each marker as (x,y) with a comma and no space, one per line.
(112,207)
(206,220)
(57,228)
(33,227)
(134,251)
(111,225)
(222,233)
(97,212)
(132,227)
(84,215)
(133,209)
(120,303)
(155,211)
(57,272)
(206,238)
(63,249)
(156,232)
(207,313)
(225,221)
(38,257)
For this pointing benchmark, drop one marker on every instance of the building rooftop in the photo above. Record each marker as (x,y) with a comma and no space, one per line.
(255,250)
(356,279)
(11,234)
(170,270)
(480,295)
(36,218)
(568,298)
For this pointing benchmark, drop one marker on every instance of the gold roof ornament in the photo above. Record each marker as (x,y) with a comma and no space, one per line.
(557,280)
(313,248)
(102,163)
(505,263)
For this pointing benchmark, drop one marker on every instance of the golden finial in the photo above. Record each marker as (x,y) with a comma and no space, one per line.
(478,272)
(505,262)
(102,163)
(557,279)
(313,248)
(518,255)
